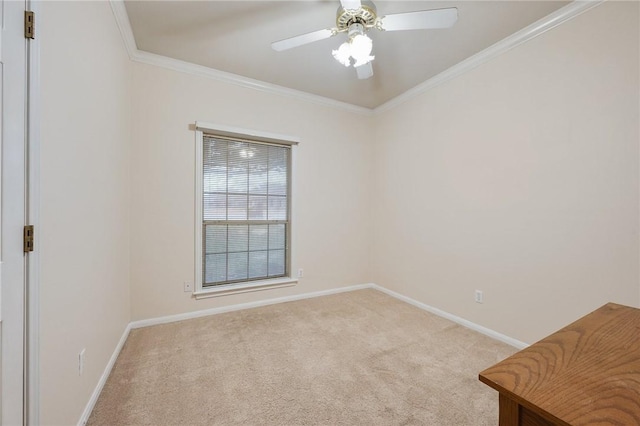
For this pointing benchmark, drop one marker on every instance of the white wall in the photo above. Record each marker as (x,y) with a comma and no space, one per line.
(84,173)
(331,192)
(519,178)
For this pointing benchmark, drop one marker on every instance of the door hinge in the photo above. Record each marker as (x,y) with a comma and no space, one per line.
(28,238)
(29,24)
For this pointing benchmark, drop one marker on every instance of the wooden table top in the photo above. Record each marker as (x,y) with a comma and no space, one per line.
(587,373)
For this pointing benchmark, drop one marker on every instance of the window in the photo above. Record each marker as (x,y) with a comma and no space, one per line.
(244,193)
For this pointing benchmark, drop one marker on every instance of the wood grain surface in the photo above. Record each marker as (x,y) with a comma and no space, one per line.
(587,373)
(529,418)
(509,411)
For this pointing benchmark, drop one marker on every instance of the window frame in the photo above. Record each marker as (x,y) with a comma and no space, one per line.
(228,132)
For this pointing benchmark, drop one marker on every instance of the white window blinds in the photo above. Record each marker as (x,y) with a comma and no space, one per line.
(246,197)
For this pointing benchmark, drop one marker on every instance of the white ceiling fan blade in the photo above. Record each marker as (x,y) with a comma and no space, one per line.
(289,43)
(422,20)
(351,4)
(364,71)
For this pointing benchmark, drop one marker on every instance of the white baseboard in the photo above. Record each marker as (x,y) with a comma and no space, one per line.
(463,322)
(213,311)
(238,307)
(206,312)
(103,379)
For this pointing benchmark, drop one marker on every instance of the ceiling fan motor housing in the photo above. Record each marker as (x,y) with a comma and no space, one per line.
(365,16)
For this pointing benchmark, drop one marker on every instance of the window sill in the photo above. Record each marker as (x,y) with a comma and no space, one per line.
(245,287)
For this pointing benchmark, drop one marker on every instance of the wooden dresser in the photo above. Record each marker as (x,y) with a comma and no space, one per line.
(587,373)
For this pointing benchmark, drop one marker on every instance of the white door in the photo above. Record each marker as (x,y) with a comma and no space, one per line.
(13,48)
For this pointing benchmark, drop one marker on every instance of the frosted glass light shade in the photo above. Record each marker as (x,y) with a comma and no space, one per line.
(343,54)
(361,46)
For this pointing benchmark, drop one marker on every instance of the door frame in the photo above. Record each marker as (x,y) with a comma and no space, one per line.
(32,320)
(30,340)
(14,211)
(32,294)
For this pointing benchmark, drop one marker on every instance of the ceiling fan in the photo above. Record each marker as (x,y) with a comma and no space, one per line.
(355,18)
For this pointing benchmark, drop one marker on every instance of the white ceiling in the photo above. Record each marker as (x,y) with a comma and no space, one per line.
(236,36)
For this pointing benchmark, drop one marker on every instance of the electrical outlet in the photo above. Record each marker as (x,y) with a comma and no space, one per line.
(81,362)
(188,287)
(300,273)
(479,296)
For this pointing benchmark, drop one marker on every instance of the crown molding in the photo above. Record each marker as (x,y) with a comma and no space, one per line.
(541,26)
(238,80)
(122,20)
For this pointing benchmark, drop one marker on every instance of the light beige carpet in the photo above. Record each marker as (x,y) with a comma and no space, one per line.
(357,358)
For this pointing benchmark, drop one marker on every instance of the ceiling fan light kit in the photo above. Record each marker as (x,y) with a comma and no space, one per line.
(358,47)
(355,18)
